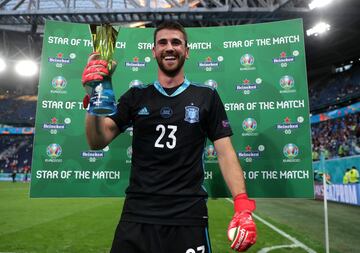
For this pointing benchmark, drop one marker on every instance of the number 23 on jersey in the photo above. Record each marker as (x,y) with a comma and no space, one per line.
(170,140)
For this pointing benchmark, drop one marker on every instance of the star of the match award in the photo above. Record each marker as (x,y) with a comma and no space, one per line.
(102,97)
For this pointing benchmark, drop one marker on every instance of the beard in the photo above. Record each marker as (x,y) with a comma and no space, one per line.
(173,70)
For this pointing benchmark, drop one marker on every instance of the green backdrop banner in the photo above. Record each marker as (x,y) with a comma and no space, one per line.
(259,71)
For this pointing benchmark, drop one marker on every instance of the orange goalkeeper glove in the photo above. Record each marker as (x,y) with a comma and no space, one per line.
(242,229)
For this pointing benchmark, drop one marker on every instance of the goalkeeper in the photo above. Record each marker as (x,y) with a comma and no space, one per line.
(165,206)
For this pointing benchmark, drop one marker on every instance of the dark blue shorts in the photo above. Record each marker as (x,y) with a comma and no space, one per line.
(133,237)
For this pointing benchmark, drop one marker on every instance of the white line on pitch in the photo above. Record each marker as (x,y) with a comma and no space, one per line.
(294,240)
(267,249)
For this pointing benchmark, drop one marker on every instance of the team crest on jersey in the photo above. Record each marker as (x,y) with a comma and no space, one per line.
(191,114)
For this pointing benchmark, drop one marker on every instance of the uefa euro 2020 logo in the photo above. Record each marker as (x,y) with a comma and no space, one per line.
(210,153)
(287,82)
(211,83)
(247,60)
(290,150)
(135,83)
(129,152)
(249,125)
(53,150)
(59,83)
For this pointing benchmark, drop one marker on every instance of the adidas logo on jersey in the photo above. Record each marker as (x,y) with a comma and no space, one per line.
(144,111)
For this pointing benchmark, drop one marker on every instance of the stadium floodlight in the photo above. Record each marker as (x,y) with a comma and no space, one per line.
(318,29)
(26,68)
(2,65)
(319,3)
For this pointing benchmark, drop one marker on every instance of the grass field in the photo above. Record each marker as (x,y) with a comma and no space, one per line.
(87,225)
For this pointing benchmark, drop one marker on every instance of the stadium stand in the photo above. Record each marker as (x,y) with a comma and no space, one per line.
(335,90)
(15,153)
(338,137)
(17,108)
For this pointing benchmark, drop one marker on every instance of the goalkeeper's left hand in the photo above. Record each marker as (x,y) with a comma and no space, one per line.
(242,229)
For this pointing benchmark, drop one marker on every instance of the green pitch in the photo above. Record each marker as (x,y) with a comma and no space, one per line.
(87,225)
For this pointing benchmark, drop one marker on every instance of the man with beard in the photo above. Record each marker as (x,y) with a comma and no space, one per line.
(165,207)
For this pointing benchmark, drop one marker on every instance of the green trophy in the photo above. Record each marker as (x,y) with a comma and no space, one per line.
(102,97)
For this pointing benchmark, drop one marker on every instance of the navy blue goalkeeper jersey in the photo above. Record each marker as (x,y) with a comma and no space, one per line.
(169,136)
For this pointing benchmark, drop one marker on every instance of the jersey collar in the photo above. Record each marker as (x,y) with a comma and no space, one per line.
(179,90)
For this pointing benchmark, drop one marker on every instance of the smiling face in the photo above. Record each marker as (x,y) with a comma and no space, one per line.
(170,51)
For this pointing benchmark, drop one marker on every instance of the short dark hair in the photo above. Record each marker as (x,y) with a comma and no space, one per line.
(171,25)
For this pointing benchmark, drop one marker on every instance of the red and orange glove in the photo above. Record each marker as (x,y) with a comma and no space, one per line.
(95,70)
(242,229)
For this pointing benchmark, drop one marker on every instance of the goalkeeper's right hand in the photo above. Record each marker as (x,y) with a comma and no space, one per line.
(95,69)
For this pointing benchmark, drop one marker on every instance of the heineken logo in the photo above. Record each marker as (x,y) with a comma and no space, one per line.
(59,60)
(209,64)
(284,59)
(135,64)
(54,125)
(249,154)
(287,126)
